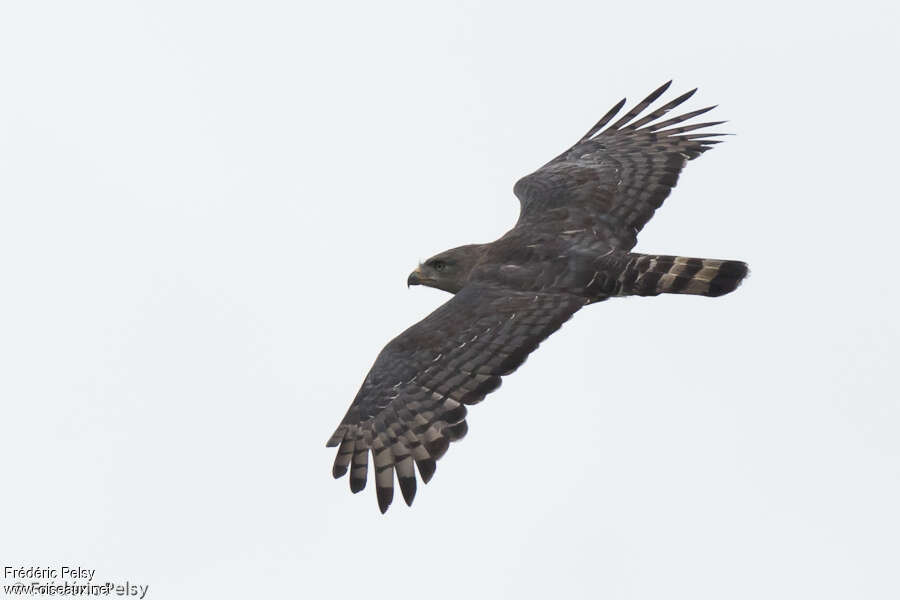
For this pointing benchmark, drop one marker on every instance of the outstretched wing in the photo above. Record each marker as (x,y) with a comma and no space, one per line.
(614,178)
(412,403)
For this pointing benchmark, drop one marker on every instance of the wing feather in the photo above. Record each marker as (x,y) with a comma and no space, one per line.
(680,118)
(639,108)
(605,119)
(663,109)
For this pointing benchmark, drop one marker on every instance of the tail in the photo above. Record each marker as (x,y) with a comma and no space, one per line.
(650,275)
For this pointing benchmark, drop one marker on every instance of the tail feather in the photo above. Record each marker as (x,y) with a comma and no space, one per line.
(650,275)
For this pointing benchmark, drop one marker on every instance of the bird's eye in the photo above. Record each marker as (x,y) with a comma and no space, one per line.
(439,265)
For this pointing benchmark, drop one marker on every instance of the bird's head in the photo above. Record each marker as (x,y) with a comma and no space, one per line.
(449,270)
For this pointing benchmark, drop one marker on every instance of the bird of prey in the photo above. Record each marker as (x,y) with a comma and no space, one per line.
(579,218)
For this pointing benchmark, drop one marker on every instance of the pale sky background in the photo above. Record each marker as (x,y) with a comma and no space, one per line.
(208,211)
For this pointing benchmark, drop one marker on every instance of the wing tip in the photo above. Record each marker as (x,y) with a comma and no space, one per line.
(426,467)
(357,484)
(407,489)
(385,496)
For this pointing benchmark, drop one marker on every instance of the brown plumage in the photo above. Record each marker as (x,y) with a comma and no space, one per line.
(579,219)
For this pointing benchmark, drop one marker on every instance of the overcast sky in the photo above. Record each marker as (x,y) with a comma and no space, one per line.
(208,211)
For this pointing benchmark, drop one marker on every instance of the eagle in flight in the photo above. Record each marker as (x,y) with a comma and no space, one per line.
(579,219)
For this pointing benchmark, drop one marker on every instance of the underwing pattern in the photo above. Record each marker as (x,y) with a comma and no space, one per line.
(579,218)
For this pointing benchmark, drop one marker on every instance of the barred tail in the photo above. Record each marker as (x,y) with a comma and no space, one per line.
(650,275)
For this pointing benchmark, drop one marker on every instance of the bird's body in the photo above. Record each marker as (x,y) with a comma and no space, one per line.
(580,215)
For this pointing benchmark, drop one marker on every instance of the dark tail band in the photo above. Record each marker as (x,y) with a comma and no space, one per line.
(650,275)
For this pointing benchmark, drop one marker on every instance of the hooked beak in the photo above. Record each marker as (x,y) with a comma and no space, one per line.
(415,278)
